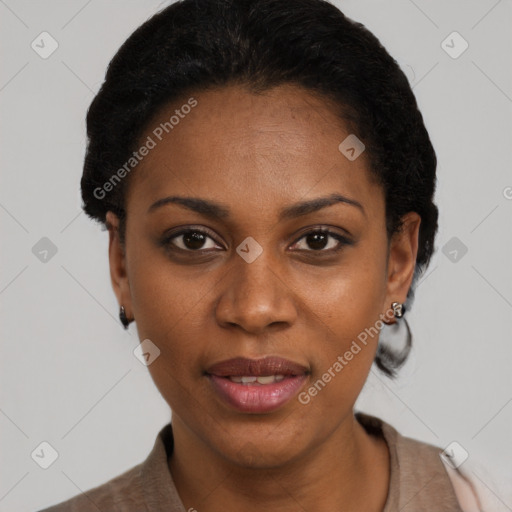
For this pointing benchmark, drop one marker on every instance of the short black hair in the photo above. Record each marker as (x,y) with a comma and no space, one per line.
(193,45)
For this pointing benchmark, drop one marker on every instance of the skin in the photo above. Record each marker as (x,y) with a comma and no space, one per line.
(256,154)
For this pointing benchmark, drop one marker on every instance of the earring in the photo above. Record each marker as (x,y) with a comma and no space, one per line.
(398,309)
(123,318)
(393,350)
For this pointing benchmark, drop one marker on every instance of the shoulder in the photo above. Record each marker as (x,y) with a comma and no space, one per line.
(422,477)
(146,484)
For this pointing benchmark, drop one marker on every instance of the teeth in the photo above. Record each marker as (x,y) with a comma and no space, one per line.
(267,379)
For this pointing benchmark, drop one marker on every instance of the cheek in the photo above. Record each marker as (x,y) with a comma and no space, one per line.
(169,312)
(343,357)
(163,295)
(168,309)
(347,311)
(349,299)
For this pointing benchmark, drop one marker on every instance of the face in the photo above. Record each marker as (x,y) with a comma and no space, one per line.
(282,257)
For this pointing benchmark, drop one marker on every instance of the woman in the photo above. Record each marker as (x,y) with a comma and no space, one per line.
(267,182)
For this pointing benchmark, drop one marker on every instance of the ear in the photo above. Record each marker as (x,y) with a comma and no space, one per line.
(403,249)
(117,261)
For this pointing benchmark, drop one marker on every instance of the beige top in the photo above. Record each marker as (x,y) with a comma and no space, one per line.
(419,481)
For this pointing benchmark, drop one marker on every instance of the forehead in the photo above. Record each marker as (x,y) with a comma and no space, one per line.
(250,149)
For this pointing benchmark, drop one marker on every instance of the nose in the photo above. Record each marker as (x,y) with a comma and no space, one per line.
(255,296)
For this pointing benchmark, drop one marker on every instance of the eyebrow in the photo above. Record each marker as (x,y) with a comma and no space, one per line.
(219,211)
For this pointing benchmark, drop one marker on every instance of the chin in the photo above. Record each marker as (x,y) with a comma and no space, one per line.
(262,444)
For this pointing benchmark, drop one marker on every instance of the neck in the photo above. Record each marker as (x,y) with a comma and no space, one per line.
(349,470)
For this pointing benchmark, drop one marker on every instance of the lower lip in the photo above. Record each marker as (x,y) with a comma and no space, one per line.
(257,398)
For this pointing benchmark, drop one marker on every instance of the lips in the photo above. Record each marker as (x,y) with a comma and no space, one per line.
(256,385)
(241,366)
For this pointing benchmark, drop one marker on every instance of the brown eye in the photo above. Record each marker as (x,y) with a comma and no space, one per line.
(191,240)
(322,240)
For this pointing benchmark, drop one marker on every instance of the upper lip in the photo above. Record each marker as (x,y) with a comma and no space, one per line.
(242,366)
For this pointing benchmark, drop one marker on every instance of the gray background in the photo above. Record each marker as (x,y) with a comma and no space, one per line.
(68,374)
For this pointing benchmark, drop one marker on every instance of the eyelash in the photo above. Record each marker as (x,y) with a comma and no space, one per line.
(342,240)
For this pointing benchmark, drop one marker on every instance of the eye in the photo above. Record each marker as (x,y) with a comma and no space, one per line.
(198,240)
(190,240)
(318,241)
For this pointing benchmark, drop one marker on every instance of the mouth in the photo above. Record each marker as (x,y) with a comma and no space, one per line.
(257,385)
